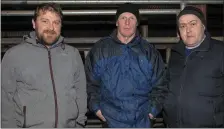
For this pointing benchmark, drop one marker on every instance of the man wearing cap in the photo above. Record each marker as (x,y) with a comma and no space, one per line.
(125,75)
(196,75)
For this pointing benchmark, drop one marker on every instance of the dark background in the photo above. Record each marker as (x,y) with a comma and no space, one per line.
(160,25)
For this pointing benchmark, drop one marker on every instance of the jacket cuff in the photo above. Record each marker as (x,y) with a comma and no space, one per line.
(95,108)
(154,112)
(79,125)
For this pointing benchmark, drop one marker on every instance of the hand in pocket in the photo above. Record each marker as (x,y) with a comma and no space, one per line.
(99,115)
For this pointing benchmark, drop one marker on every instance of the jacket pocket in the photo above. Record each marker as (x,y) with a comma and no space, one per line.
(70,108)
(211,90)
(24,118)
(29,106)
(29,120)
(218,106)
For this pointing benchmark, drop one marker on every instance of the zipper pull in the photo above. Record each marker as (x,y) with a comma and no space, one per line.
(24,113)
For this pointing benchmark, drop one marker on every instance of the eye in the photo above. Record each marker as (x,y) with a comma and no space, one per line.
(132,18)
(57,22)
(44,21)
(182,26)
(193,24)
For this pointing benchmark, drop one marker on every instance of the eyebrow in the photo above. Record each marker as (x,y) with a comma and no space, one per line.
(43,18)
(48,19)
(128,16)
(189,21)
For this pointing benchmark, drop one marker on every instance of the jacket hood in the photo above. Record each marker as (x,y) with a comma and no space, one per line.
(137,36)
(31,38)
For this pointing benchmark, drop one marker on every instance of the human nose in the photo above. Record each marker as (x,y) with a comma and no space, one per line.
(188,29)
(127,21)
(51,26)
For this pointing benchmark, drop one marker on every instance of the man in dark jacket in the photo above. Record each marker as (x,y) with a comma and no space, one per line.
(125,75)
(196,75)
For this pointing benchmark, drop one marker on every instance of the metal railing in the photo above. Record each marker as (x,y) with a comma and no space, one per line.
(104,2)
(90,12)
(161,42)
(88,40)
(84,42)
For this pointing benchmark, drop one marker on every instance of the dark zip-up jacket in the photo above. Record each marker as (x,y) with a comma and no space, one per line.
(125,81)
(43,87)
(196,86)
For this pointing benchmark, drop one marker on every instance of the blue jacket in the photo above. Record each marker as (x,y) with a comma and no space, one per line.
(125,81)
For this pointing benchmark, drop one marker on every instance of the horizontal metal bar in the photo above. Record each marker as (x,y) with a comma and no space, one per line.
(89,12)
(90,40)
(86,40)
(88,47)
(111,1)
(93,121)
(158,125)
(94,126)
(87,22)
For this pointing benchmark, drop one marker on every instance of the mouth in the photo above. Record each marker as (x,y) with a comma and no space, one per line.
(127,28)
(50,35)
(50,32)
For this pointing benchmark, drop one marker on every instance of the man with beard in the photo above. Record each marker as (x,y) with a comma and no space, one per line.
(125,75)
(43,79)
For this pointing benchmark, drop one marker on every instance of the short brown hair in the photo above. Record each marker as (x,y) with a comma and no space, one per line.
(53,7)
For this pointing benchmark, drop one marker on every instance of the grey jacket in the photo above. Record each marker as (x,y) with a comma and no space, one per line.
(27,84)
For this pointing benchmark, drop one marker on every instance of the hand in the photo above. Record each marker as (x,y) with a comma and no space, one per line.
(99,115)
(151,116)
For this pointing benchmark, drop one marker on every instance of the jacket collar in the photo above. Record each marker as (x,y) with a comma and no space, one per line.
(31,38)
(204,46)
(133,42)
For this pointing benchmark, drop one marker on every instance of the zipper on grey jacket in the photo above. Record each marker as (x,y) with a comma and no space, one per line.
(54,88)
(24,120)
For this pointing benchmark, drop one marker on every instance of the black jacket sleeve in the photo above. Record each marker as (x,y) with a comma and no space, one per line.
(159,84)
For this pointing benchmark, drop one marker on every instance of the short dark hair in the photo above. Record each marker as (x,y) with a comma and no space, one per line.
(53,7)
